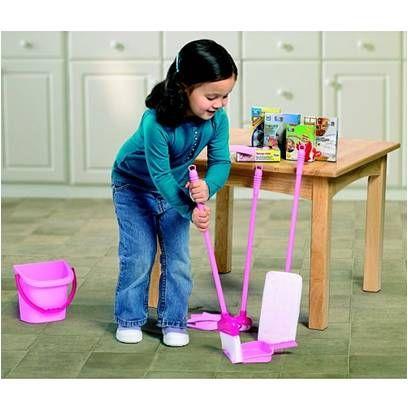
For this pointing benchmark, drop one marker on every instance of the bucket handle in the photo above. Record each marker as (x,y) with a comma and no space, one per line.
(49,310)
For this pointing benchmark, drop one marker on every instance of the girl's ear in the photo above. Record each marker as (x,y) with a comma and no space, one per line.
(187,89)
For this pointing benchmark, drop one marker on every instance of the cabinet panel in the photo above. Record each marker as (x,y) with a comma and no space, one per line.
(175,40)
(363,45)
(292,86)
(366,97)
(107,101)
(33,121)
(114,44)
(32,44)
(281,44)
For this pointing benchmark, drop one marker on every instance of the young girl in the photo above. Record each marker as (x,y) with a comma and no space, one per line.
(152,197)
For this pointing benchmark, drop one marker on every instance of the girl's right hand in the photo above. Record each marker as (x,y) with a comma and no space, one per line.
(201,218)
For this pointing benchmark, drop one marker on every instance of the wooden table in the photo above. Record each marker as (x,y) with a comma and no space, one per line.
(320,182)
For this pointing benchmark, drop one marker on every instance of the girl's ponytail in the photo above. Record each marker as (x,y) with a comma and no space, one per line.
(169,99)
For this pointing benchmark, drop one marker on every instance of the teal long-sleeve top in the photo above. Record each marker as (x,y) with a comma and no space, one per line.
(156,158)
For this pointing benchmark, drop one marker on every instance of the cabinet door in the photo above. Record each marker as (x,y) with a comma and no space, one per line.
(366,97)
(33,121)
(107,101)
(291,86)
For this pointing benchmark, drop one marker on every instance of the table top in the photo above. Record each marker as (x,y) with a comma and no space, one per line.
(351,154)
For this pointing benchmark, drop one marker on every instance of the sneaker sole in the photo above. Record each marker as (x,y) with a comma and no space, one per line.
(128,340)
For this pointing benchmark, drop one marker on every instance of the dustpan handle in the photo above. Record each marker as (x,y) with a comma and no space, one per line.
(299,169)
(50,310)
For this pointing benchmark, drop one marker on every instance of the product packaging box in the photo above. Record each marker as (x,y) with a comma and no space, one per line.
(258,155)
(257,122)
(301,134)
(326,137)
(275,130)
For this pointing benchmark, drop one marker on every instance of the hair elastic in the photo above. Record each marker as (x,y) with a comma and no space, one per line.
(177,63)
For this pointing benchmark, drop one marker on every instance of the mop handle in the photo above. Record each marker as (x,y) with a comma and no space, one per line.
(299,169)
(193,176)
(248,260)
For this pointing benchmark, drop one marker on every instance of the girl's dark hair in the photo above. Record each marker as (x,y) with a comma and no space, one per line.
(197,62)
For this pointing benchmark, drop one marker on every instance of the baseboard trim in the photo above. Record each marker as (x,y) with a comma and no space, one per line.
(104,192)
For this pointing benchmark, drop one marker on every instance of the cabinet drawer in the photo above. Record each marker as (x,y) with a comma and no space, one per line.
(114,45)
(32,44)
(173,41)
(362,45)
(281,44)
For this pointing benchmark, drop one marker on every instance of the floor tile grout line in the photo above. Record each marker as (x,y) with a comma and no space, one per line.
(91,351)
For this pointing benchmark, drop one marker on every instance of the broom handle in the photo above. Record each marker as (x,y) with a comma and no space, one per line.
(248,260)
(193,176)
(299,169)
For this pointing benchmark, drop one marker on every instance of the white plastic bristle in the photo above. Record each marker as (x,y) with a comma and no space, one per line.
(231,346)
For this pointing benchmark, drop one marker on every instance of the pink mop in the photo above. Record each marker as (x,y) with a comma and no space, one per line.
(227,326)
(208,321)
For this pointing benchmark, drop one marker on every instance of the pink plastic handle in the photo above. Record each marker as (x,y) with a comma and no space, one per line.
(255,195)
(193,176)
(299,170)
(50,310)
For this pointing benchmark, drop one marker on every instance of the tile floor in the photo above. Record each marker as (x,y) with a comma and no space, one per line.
(366,337)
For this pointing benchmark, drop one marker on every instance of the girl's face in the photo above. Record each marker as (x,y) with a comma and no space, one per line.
(208,97)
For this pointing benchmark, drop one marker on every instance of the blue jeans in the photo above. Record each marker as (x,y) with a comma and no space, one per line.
(145,218)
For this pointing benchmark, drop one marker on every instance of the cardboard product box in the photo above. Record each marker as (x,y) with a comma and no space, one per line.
(252,154)
(301,134)
(275,130)
(326,137)
(257,124)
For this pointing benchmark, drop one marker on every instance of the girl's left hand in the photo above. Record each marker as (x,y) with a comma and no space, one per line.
(198,190)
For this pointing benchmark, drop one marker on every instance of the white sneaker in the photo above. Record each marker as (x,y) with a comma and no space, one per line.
(175,337)
(129,335)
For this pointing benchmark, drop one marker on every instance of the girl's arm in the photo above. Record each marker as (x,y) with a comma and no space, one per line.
(157,158)
(219,162)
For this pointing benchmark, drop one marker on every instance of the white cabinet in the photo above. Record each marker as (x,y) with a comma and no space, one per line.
(106,103)
(362,85)
(113,45)
(34,124)
(69,100)
(32,44)
(174,40)
(366,96)
(282,45)
(362,45)
(292,86)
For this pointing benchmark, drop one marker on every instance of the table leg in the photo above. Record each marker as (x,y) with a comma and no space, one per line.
(223,228)
(374,229)
(320,254)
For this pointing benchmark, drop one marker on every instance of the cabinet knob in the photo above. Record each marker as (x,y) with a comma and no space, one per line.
(116,45)
(284,46)
(26,44)
(284,93)
(364,45)
(330,82)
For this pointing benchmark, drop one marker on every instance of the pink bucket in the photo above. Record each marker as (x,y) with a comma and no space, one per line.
(42,290)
